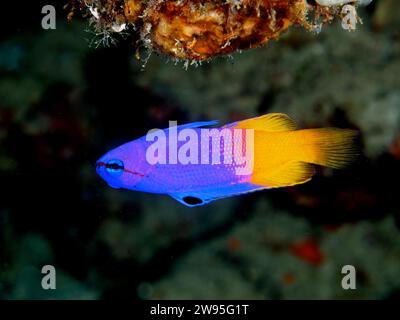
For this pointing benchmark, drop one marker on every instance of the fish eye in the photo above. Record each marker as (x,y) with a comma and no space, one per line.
(114,167)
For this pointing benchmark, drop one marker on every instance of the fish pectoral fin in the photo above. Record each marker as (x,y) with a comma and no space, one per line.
(272,122)
(288,174)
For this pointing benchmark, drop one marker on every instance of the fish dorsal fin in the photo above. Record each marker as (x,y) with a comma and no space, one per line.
(273,122)
(198,124)
(288,174)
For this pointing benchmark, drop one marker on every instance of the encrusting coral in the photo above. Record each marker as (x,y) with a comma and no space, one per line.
(201,29)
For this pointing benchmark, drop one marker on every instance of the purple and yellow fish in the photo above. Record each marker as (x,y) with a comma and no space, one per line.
(266,152)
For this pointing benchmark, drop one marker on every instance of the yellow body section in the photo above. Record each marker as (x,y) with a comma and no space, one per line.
(284,156)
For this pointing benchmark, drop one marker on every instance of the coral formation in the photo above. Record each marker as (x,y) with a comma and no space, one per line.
(199,30)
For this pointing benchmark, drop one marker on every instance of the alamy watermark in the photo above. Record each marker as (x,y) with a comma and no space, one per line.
(349,280)
(49,19)
(205,146)
(350,17)
(49,278)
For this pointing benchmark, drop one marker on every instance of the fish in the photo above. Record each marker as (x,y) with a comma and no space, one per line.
(200,162)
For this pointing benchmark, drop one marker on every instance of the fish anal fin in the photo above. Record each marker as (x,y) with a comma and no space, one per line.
(288,174)
(272,122)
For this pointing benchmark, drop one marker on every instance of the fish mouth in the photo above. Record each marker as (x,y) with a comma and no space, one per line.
(100,166)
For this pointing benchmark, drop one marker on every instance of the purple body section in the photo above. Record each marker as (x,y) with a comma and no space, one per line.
(207,181)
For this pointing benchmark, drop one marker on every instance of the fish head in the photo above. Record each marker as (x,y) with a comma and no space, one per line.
(124,166)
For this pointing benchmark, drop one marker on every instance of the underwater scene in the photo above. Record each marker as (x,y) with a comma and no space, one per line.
(188,149)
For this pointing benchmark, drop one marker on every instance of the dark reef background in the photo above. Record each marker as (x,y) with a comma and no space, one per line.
(63,104)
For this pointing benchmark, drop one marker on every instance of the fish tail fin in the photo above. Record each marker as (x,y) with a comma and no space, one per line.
(284,156)
(329,147)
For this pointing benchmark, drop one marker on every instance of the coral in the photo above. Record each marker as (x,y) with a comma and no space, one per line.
(264,267)
(198,30)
